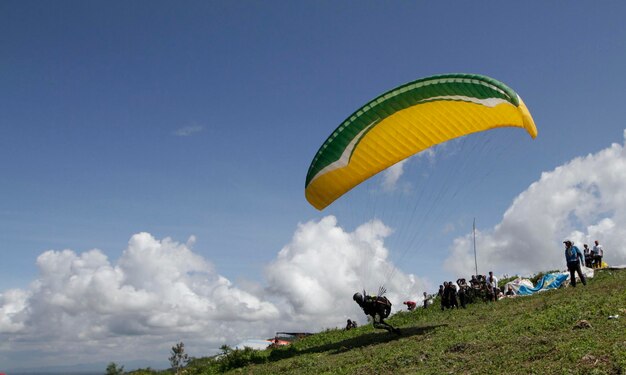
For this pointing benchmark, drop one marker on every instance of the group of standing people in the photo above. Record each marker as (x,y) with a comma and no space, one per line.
(479,286)
(593,256)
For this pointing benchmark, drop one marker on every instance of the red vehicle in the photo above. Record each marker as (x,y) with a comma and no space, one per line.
(286,338)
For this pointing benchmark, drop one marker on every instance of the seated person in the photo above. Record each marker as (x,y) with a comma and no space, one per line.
(350,324)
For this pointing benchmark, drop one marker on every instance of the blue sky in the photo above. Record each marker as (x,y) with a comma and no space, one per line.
(201,118)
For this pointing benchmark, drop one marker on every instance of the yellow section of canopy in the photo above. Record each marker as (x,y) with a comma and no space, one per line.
(410,131)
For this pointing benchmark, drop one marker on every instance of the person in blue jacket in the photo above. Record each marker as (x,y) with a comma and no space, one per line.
(574,258)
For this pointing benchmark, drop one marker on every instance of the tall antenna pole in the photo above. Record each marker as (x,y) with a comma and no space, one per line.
(475,261)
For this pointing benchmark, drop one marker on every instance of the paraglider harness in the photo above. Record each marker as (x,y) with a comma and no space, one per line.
(378,307)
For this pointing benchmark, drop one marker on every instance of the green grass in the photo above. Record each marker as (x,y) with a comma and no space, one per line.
(523,335)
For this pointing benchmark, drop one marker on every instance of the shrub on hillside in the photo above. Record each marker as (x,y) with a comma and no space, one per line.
(236,358)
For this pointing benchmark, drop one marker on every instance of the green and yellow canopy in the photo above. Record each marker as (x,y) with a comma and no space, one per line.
(405,121)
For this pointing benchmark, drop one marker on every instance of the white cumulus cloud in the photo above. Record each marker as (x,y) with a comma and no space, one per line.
(324,265)
(157,293)
(583,200)
(392,174)
(85,308)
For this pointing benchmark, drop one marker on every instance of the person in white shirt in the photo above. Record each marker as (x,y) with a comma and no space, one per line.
(598,253)
(492,283)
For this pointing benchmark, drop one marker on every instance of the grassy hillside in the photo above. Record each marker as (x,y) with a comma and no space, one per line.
(524,335)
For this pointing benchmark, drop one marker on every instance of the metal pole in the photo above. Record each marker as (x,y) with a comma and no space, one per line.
(475,261)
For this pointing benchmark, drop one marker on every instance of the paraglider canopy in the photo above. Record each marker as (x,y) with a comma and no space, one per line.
(405,121)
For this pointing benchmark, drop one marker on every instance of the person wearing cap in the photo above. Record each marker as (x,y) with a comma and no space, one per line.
(574,257)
